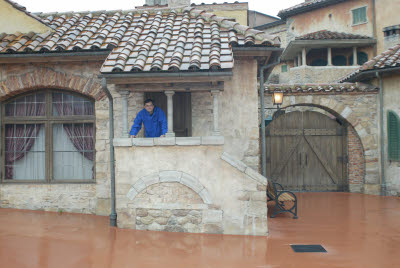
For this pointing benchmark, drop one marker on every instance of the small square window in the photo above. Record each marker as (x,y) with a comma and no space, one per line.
(359,15)
(284,68)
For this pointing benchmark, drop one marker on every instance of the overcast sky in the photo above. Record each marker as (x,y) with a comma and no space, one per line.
(270,7)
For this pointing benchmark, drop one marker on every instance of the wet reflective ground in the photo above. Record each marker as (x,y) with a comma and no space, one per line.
(356,230)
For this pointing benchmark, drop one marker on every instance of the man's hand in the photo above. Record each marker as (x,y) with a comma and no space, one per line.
(162,136)
(133,136)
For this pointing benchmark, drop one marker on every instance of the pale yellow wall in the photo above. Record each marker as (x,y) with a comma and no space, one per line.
(239,15)
(340,21)
(13,20)
(391,100)
(387,14)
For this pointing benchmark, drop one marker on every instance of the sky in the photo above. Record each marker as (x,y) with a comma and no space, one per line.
(270,7)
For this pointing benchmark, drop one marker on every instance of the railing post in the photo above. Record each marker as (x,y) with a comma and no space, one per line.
(125,131)
(215,94)
(170,112)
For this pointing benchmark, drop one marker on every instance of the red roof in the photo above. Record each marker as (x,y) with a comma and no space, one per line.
(329,35)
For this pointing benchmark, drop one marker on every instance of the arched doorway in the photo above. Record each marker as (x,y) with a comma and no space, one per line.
(306,151)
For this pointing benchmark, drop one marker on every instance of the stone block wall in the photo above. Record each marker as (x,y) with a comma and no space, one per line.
(188,189)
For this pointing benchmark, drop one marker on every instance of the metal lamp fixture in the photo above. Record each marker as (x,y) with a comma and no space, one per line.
(277,98)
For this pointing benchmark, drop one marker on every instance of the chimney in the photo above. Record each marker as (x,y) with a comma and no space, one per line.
(170,3)
(178,3)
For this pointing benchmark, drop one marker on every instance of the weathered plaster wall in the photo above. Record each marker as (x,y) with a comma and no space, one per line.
(85,198)
(386,15)
(188,189)
(391,102)
(341,20)
(12,20)
(361,112)
(241,127)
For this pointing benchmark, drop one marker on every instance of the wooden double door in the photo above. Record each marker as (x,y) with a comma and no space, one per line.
(306,151)
(182,102)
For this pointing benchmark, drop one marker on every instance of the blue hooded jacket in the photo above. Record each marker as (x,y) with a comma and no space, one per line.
(155,125)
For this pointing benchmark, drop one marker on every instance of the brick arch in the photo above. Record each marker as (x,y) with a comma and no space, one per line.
(170,176)
(40,78)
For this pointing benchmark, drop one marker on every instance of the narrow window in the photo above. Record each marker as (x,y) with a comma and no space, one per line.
(359,15)
(284,68)
(393,136)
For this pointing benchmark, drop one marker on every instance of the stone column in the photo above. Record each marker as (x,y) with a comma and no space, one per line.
(125,129)
(215,94)
(299,60)
(355,60)
(304,57)
(329,56)
(170,116)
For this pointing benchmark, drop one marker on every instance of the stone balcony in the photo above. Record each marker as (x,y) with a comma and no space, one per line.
(315,74)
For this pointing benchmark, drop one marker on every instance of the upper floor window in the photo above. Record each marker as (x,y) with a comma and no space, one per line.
(359,15)
(393,136)
(48,136)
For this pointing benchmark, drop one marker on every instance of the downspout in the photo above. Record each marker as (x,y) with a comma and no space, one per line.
(382,139)
(262,105)
(374,26)
(113,215)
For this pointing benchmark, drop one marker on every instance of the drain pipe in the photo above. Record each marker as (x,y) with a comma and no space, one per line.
(113,215)
(382,139)
(262,105)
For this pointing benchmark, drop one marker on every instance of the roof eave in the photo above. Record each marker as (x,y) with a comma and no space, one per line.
(54,56)
(296,46)
(308,8)
(369,74)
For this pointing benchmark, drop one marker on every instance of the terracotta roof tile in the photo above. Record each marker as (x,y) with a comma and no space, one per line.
(307,6)
(329,35)
(388,59)
(321,88)
(169,40)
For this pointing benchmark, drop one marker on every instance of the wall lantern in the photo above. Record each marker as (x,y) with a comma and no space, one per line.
(277,98)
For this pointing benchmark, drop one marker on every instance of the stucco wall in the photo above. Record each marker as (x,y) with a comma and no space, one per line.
(391,102)
(231,202)
(386,15)
(13,20)
(341,20)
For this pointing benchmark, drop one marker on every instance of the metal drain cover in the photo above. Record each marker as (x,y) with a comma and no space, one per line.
(308,248)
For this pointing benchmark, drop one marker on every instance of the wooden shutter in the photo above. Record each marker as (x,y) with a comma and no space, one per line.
(360,15)
(393,136)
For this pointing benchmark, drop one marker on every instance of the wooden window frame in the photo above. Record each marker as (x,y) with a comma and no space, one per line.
(48,121)
(352,16)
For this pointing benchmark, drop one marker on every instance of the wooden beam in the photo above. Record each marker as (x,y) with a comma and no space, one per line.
(166,79)
(177,87)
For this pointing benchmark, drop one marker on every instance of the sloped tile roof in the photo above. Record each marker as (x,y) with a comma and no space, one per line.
(187,39)
(388,59)
(307,6)
(329,35)
(320,88)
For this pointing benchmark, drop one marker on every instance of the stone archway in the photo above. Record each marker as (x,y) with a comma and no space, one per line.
(170,176)
(359,111)
(40,78)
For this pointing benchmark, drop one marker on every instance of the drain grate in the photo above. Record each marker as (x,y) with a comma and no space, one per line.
(308,248)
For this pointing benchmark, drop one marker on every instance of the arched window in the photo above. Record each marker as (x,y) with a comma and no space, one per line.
(48,136)
(393,136)
(339,60)
(362,58)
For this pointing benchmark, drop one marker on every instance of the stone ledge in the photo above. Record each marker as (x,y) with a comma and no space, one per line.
(169,141)
(171,206)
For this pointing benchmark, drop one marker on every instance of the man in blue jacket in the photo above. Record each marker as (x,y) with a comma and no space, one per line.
(153,119)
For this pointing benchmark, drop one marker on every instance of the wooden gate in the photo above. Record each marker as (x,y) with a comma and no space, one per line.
(306,151)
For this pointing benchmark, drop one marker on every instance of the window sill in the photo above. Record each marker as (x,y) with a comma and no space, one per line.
(361,23)
(169,141)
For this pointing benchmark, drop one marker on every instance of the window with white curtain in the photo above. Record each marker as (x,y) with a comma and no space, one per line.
(48,136)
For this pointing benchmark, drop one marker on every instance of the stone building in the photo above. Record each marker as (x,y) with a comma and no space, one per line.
(71,85)
(324,41)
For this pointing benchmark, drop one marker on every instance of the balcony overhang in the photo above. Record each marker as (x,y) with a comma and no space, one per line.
(295,47)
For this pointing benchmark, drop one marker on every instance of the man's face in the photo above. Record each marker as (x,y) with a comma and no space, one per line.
(149,107)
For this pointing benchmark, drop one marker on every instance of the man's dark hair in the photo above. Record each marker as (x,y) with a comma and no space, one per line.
(149,100)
